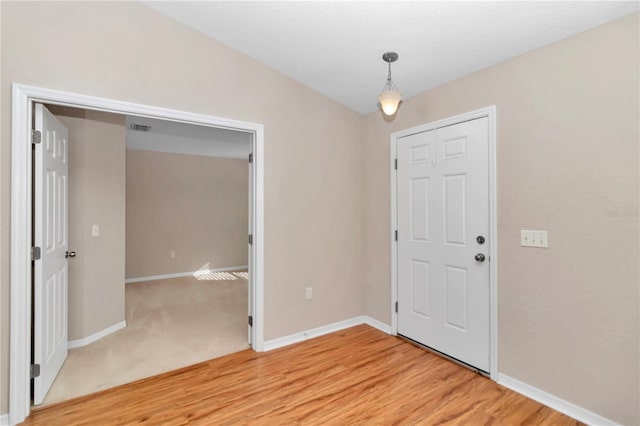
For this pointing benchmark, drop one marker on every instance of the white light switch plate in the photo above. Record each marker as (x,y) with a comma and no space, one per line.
(530,238)
(95,230)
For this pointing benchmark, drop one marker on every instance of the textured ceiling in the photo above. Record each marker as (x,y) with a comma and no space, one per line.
(336,47)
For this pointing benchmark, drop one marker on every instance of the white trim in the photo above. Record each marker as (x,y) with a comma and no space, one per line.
(183,274)
(325,329)
(23,97)
(4,419)
(72,344)
(565,407)
(493,238)
(394,225)
(20,312)
(256,267)
(280,342)
(490,113)
(385,328)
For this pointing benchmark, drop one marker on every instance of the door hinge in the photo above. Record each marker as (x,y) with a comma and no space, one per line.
(396,235)
(34,371)
(35,253)
(250,238)
(250,321)
(396,307)
(396,164)
(251,157)
(36,136)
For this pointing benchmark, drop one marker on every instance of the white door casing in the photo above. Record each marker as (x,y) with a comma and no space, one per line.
(22,100)
(442,207)
(51,236)
(249,248)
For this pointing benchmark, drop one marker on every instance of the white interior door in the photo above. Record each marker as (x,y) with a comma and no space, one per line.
(443,240)
(51,236)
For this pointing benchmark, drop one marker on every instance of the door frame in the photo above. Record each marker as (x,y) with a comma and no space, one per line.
(23,99)
(490,113)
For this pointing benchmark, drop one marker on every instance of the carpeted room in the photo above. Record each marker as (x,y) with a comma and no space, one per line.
(159,280)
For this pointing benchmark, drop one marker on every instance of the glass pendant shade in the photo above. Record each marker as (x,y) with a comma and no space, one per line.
(390,96)
(389,101)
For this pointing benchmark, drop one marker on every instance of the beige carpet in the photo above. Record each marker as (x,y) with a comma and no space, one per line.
(170,324)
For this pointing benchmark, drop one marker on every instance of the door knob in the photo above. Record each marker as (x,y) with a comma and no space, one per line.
(73,254)
(479,257)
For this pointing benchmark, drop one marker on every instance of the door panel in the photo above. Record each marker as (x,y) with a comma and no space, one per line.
(419,199)
(455,223)
(420,287)
(455,282)
(420,154)
(443,205)
(51,234)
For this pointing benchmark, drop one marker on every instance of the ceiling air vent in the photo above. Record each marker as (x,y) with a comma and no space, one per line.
(139,127)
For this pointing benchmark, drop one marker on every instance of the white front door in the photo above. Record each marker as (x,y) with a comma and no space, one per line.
(51,236)
(443,240)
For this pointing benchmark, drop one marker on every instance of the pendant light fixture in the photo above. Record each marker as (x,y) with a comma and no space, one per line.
(390,96)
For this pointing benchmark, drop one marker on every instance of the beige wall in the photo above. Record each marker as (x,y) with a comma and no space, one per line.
(96,197)
(568,148)
(567,151)
(195,205)
(313,156)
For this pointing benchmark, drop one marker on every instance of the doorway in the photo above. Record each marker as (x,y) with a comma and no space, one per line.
(444,238)
(24,99)
(162,207)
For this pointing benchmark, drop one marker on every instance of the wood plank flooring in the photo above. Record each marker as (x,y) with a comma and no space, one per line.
(352,377)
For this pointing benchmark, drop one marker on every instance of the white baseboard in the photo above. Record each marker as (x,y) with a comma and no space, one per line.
(385,328)
(558,404)
(72,344)
(325,329)
(184,274)
(4,420)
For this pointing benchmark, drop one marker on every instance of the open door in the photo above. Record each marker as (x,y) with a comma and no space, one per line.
(50,250)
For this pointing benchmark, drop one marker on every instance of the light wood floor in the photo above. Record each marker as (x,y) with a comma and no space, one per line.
(351,377)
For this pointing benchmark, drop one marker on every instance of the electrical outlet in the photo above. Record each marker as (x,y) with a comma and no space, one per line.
(173,253)
(529,238)
(95,230)
(309,294)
